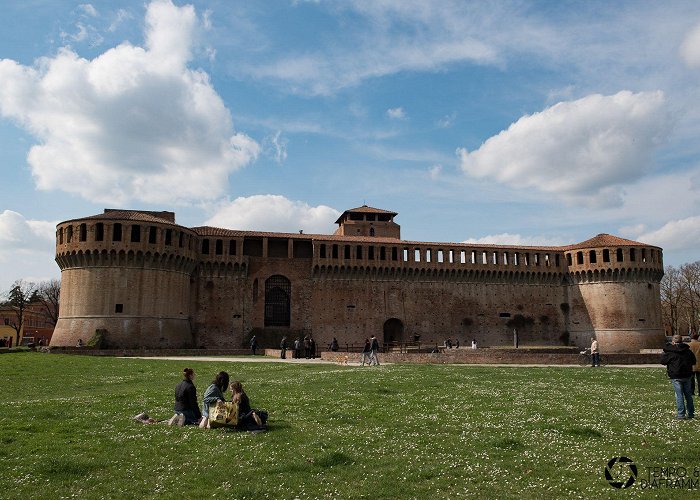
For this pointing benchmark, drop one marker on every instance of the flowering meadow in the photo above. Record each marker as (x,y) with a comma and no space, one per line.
(399,431)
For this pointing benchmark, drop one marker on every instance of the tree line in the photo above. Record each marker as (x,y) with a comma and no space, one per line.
(680,298)
(25,293)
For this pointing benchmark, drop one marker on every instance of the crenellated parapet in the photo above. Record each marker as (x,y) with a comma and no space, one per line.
(124,238)
(610,258)
(474,275)
(440,258)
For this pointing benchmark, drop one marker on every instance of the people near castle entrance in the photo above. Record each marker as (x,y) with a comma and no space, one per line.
(679,361)
(283,348)
(312,346)
(297,348)
(448,343)
(253,344)
(474,344)
(456,343)
(214,393)
(595,352)
(374,359)
(80,343)
(334,345)
(695,347)
(248,418)
(307,347)
(366,352)
(186,404)
(516,339)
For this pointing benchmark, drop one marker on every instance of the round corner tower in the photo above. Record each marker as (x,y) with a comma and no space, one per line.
(127,273)
(614,294)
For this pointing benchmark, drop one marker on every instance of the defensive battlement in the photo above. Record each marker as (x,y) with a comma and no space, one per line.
(153,234)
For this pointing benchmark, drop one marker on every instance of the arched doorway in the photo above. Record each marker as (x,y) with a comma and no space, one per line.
(277,293)
(393,330)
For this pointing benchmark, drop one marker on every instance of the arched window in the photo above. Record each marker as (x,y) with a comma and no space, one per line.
(277,301)
(592,258)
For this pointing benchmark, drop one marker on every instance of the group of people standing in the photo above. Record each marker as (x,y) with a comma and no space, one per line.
(187,408)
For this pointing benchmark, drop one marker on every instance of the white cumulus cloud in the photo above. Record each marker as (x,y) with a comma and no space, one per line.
(582,150)
(27,248)
(135,123)
(274,213)
(690,48)
(681,234)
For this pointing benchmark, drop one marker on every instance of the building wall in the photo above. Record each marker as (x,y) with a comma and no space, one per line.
(206,288)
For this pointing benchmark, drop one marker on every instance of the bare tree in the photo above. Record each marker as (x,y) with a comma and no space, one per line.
(20,296)
(671,297)
(49,294)
(690,274)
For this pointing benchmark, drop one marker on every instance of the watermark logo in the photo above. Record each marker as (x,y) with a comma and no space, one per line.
(621,472)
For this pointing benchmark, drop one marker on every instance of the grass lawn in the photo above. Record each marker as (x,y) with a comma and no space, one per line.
(401,431)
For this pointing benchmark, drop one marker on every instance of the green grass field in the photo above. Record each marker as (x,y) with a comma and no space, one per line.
(401,431)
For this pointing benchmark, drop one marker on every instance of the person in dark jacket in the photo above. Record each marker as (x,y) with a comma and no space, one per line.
(186,405)
(366,350)
(283,348)
(253,344)
(679,361)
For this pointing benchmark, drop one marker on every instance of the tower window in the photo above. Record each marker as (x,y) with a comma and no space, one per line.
(99,231)
(135,233)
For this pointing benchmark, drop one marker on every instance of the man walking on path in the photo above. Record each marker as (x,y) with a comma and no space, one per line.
(253,344)
(679,361)
(595,353)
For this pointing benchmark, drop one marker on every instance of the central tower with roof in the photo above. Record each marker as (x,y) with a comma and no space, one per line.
(369,222)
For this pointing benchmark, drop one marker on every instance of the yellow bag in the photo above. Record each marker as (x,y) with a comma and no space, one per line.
(223,414)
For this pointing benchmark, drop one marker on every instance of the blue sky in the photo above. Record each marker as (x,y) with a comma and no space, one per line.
(538,123)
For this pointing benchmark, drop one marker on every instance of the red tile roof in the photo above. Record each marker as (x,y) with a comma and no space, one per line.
(364,209)
(605,240)
(131,215)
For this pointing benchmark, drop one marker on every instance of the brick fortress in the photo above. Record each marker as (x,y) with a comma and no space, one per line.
(149,282)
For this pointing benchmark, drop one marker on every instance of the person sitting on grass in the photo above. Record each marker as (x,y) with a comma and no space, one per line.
(214,393)
(186,406)
(248,419)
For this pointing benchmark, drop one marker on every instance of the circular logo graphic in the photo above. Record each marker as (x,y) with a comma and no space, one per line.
(621,472)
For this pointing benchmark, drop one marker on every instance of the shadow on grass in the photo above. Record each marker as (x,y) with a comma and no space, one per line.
(508,444)
(583,432)
(68,468)
(323,461)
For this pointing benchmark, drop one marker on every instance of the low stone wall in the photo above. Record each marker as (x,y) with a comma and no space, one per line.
(497,356)
(87,351)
